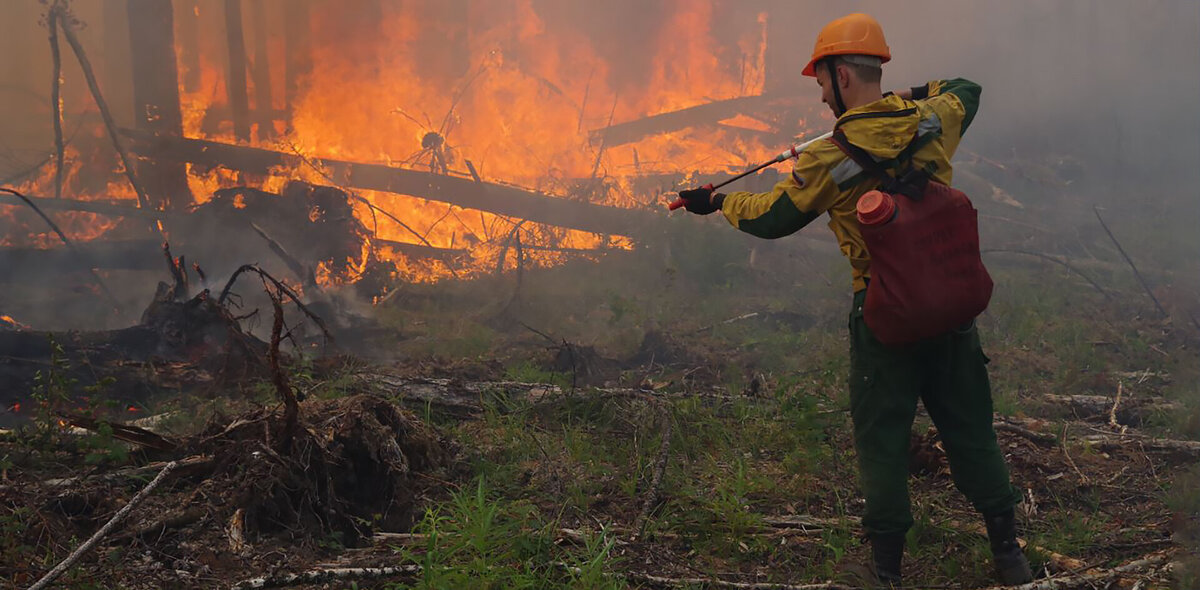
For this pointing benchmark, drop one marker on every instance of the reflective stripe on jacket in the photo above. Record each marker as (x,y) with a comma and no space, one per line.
(824,180)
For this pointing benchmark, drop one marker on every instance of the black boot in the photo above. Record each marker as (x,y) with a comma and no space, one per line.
(886,553)
(1011,565)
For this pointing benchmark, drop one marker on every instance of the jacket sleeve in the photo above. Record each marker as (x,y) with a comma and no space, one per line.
(795,201)
(955,100)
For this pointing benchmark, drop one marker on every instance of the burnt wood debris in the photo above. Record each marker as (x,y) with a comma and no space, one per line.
(264,282)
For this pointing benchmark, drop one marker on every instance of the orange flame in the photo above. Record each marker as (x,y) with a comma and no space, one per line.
(519,107)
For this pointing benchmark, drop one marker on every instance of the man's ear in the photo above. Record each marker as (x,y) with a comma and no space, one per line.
(843,75)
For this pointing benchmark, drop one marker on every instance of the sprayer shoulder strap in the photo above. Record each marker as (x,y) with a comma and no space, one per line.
(868,163)
(861,157)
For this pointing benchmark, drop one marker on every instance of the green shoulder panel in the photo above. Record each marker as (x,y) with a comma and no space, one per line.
(968,93)
(782,219)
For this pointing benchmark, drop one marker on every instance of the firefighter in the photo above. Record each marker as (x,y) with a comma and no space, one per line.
(921,126)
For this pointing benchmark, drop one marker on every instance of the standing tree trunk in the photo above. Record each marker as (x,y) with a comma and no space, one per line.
(297,31)
(187,22)
(262,73)
(235,81)
(156,97)
(118,79)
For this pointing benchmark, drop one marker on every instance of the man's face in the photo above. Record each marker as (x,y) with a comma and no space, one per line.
(823,81)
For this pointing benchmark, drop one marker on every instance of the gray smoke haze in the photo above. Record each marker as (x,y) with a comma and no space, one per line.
(1110,84)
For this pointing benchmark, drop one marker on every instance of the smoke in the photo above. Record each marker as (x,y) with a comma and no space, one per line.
(1109,85)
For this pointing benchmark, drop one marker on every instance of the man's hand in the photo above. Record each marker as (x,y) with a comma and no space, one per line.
(701,201)
(906,94)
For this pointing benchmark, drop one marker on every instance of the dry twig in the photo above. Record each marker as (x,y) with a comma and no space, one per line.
(1092,580)
(660,468)
(90,75)
(291,411)
(1162,312)
(278,285)
(104,530)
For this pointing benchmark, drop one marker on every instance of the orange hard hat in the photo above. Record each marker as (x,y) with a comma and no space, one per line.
(853,34)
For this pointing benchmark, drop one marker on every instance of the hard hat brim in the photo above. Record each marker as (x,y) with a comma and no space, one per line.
(810,70)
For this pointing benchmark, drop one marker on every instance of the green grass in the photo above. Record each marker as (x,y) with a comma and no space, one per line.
(480,540)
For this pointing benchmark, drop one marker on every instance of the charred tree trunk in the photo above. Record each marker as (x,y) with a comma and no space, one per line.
(118,78)
(263,108)
(235,81)
(187,22)
(298,48)
(156,97)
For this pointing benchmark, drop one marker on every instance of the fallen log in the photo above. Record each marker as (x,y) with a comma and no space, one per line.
(463,192)
(110,208)
(1108,443)
(123,432)
(1131,411)
(452,396)
(705,114)
(1040,438)
(19,263)
(325,576)
(188,465)
(177,345)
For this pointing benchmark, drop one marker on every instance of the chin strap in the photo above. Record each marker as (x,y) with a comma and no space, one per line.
(839,104)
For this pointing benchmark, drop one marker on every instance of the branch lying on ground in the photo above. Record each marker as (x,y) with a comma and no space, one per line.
(1040,438)
(1070,582)
(660,468)
(193,463)
(1106,442)
(328,575)
(1106,407)
(662,581)
(123,432)
(104,530)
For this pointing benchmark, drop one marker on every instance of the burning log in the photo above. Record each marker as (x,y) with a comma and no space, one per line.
(705,114)
(464,192)
(17,264)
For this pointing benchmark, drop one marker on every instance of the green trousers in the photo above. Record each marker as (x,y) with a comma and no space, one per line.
(949,374)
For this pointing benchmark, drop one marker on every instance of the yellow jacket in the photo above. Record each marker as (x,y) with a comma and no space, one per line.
(825,180)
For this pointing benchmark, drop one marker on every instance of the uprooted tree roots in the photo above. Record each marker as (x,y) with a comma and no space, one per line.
(353,466)
(348,468)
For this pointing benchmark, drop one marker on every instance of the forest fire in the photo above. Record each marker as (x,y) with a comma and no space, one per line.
(518,103)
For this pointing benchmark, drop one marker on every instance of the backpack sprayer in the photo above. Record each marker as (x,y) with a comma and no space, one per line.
(790,153)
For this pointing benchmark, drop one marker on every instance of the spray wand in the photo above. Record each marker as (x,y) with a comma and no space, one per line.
(791,152)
